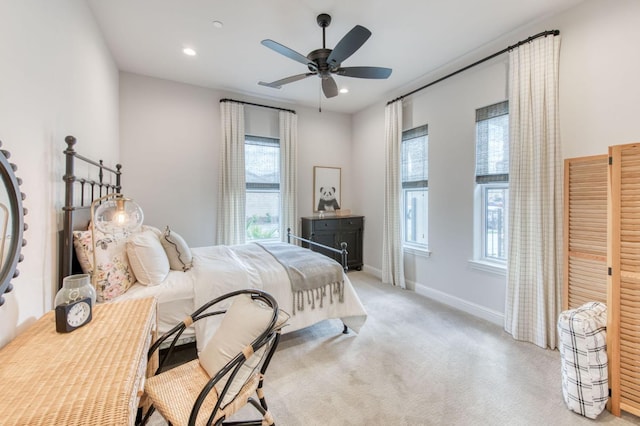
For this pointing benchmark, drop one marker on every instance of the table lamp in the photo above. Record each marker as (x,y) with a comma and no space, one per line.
(116,214)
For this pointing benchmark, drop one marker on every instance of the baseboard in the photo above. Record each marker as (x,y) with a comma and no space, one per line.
(372,271)
(447,299)
(461,304)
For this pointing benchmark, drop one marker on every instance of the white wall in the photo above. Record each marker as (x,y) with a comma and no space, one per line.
(324,139)
(599,92)
(57,79)
(168,153)
(170,141)
(599,69)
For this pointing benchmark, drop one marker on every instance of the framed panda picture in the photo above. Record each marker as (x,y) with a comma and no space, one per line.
(326,189)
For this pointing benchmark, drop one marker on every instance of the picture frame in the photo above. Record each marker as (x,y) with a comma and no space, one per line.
(327,188)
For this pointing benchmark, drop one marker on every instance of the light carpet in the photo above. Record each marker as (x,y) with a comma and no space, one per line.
(415,362)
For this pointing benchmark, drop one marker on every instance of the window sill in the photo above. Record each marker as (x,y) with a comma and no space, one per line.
(415,251)
(494,268)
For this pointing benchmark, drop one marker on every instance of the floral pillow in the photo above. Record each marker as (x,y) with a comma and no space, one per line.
(114,275)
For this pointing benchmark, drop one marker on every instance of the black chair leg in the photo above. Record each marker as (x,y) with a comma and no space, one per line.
(261,407)
(143,421)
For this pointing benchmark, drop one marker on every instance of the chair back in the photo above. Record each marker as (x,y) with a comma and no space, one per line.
(233,363)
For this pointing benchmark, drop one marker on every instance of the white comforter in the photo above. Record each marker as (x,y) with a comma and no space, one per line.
(221,269)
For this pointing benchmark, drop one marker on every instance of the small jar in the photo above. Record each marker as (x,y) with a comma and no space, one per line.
(75,287)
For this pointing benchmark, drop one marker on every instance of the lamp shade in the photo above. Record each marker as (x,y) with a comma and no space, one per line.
(118,215)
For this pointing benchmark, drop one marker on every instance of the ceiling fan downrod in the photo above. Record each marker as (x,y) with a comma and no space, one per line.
(323,20)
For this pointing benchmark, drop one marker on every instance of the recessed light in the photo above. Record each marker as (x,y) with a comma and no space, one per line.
(189,51)
(344,90)
(218,24)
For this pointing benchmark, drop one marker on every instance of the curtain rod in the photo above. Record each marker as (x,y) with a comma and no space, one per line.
(518,44)
(258,105)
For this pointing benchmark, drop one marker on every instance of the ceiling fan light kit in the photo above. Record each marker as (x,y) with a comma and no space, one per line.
(326,62)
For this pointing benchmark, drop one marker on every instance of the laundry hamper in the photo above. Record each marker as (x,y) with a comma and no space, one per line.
(583,356)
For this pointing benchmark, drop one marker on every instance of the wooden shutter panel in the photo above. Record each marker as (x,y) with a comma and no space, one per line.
(585,230)
(623,330)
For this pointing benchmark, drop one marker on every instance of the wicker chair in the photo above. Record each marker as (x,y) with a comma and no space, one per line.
(193,394)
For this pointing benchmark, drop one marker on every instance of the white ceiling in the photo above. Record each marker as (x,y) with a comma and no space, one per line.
(413,37)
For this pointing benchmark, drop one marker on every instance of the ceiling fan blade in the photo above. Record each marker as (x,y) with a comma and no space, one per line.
(279,83)
(364,72)
(289,53)
(329,87)
(348,45)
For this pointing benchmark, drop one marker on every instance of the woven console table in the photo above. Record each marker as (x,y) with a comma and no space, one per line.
(91,376)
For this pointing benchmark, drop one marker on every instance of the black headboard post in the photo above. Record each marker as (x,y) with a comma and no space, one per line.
(118,176)
(67,235)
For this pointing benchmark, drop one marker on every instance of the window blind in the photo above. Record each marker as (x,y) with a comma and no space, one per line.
(262,162)
(492,143)
(415,169)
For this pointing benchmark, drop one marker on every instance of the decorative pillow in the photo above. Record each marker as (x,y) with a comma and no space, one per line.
(178,252)
(147,258)
(155,230)
(114,274)
(243,322)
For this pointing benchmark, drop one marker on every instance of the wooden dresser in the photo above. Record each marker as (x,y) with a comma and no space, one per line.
(91,376)
(331,231)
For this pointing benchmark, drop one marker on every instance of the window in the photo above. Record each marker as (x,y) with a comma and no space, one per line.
(262,174)
(415,186)
(492,180)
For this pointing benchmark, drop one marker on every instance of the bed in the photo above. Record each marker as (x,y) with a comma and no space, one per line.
(213,270)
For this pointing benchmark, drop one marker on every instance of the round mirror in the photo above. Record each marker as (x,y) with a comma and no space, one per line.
(12,224)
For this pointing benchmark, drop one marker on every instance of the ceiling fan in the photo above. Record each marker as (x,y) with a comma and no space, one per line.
(326,62)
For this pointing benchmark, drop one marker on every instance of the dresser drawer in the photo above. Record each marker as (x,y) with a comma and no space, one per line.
(325,225)
(351,223)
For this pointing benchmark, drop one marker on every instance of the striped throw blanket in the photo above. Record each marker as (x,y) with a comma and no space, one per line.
(312,275)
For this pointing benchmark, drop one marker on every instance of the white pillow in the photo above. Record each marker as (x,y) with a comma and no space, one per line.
(177,250)
(155,230)
(147,258)
(243,322)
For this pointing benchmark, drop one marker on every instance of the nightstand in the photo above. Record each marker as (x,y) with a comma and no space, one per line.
(91,376)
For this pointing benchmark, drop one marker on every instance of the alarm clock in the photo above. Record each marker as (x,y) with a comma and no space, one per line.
(72,315)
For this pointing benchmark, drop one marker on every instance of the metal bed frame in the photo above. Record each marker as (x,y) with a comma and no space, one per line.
(343,252)
(77,213)
(343,255)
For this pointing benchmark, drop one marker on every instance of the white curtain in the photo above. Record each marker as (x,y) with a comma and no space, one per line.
(392,255)
(288,173)
(232,188)
(534,280)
